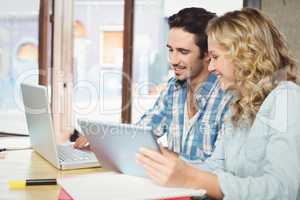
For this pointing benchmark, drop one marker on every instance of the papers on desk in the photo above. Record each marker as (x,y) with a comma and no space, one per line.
(15,142)
(111,185)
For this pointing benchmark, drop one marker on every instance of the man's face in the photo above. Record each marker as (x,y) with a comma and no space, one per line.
(184,54)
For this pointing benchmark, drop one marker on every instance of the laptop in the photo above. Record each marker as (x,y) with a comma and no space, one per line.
(42,135)
(116,145)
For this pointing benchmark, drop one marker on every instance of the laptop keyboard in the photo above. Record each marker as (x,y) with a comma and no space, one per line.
(69,153)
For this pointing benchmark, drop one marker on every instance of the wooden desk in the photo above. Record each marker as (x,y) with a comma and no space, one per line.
(22,164)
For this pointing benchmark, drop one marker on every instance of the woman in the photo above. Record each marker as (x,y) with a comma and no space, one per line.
(259,155)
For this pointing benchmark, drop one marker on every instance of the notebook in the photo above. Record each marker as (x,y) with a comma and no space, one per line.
(112,185)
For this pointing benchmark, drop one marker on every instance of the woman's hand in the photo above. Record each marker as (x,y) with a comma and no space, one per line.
(165,168)
(168,170)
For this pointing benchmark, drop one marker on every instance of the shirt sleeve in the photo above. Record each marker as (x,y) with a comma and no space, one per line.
(279,177)
(156,117)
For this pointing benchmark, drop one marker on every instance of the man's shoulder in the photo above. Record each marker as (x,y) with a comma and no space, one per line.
(175,83)
(209,86)
(212,92)
(168,87)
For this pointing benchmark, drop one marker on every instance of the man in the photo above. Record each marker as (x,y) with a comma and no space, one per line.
(192,107)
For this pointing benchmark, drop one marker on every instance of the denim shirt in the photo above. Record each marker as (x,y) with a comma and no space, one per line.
(262,162)
(167,117)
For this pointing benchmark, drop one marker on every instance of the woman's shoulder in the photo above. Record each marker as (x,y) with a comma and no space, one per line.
(284,89)
(287,85)
(282,106)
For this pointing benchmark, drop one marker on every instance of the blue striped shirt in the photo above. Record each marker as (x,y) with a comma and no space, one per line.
(167,117)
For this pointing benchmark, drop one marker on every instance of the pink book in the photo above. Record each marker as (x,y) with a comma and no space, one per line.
(63,195)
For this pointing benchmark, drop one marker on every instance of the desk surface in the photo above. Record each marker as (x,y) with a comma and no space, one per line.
(22,164)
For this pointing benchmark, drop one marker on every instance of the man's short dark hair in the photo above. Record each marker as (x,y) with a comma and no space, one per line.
(193,20)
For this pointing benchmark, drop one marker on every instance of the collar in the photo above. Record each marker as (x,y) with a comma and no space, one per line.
(203,92)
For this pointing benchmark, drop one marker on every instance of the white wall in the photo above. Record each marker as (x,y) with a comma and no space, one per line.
(217,6)
(18,6)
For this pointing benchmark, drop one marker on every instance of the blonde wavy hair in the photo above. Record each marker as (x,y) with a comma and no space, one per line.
(260,56)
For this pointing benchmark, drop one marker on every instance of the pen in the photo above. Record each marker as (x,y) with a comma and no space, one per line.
(19,184)
(13,149)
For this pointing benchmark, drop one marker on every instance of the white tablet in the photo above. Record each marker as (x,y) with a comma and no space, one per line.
(116,145)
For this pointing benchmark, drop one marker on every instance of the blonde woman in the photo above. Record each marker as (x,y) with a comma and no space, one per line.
(259,155)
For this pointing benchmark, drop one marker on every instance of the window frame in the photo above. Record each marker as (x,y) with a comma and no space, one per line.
(60,77)
(127,61)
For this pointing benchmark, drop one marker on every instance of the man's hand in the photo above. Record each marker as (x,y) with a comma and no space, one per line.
(81,142)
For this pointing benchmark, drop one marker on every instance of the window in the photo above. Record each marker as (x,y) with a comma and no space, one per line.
(18,59)
(79,29)
(150,66)
(98,57)
(27,52)
(111,48)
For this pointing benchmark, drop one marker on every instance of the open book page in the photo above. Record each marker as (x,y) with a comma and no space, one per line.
(111,185)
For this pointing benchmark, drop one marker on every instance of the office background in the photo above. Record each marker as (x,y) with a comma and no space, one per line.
(98,27)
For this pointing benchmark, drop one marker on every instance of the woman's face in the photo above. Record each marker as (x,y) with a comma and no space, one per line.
(220,65)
